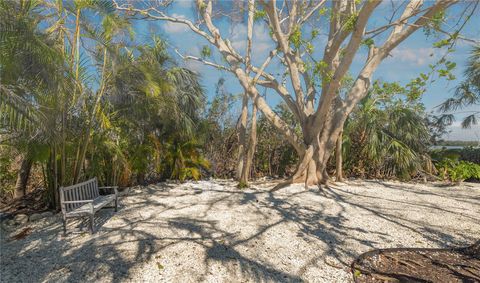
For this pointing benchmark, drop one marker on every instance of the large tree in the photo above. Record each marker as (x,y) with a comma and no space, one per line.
(314,77)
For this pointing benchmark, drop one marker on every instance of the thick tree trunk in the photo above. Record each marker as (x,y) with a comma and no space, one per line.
(251,148)
(338,158)
(242,137)
(22,177)
(312,169)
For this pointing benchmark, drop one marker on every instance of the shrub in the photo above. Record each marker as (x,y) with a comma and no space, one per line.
(470,154)
(458,171)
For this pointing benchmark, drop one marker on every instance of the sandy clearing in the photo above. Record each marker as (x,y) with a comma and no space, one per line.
(209,231)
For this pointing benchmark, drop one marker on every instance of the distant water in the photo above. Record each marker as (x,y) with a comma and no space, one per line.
(446,146)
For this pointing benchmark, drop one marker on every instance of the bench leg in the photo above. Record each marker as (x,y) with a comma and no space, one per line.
(64,225)
(91,223)
(116,204)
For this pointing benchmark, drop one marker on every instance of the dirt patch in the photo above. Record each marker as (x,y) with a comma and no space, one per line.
(33,202)
(419,265)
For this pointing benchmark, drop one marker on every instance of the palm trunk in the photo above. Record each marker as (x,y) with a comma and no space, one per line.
(83,146)
(75,65)
(22,177)
(88,132)
(54,177)
(63,156)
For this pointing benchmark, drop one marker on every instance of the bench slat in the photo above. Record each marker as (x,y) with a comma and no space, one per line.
(91,189)
(86,191)
(82,192)
(98,203)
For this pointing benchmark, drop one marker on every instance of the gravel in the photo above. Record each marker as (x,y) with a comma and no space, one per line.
(210,231)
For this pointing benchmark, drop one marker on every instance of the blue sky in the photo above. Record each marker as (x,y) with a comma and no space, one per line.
(408,60)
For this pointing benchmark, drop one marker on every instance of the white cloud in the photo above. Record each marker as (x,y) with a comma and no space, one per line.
(171,27)
(184,3)
(261,41)
(414,56)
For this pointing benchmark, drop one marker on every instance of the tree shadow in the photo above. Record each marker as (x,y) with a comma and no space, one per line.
(166,220)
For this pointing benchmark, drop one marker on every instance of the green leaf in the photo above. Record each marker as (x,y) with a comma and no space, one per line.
(206,52)
(259,14)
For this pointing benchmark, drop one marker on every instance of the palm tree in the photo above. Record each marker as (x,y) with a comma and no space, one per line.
(31,75)
(184,160)
(57,95)
(38,76)
(467,94)
(387,136)
(154,101)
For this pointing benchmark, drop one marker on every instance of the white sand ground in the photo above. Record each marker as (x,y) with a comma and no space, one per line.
(210,231)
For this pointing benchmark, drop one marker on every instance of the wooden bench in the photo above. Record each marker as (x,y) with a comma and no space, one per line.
(84,199)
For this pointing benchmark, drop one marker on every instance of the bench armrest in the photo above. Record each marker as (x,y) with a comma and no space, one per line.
(78,201)
(110,187)
(115,191)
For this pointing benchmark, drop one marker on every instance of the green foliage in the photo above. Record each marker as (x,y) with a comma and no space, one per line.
(322,11)
(457,165)
(206,51)
(259,14)
(357,273)
(467,93)
(275,157)
(156,107)
(470,154)
(309,47)
(368,42)
(202,6)
(350,22)
(458,171)
(217,131)
(321,70)
(437,19)
(242,185)
(7,175)
(296,37)
(184,160)
(386,135)
(121,104)
(441,43)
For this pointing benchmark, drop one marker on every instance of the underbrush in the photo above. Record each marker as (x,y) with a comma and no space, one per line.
(458,165)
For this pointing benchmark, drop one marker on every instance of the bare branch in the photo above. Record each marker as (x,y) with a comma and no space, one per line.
(251,10)
(398,36)
(260,72)
(331,91)
(208,63)
(311,12)
(162,16)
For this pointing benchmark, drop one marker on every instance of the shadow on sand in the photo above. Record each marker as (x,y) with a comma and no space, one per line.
(114,251)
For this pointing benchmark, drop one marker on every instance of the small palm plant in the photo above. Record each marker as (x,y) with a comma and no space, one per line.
(185,160)
(387,135)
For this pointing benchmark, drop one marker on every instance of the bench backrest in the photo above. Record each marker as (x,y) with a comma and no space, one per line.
(82,191)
